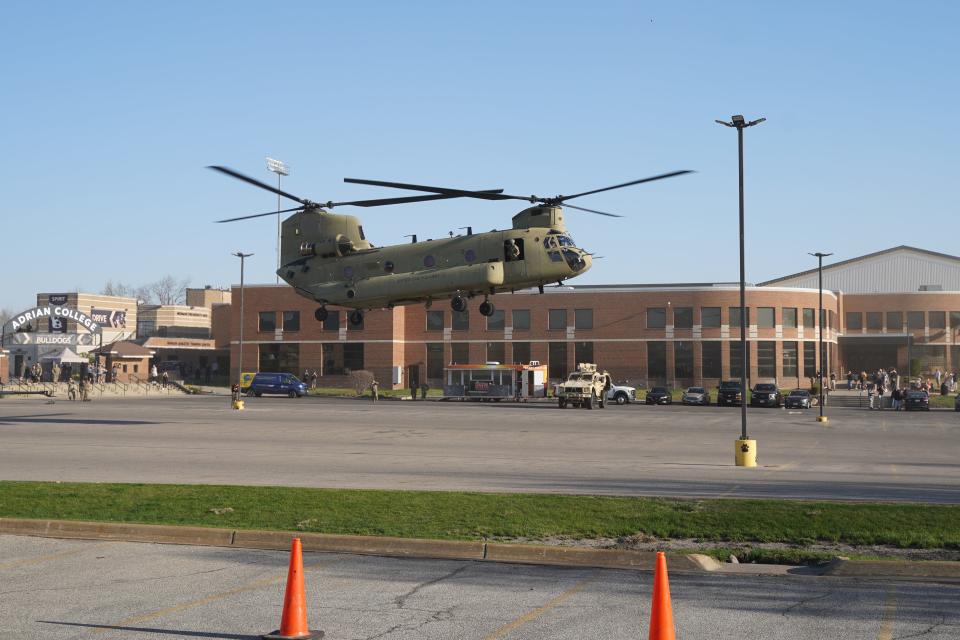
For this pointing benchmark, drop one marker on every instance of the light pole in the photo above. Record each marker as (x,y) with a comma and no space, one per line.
(744,444)
(281,170)
(242,256)
(820,256)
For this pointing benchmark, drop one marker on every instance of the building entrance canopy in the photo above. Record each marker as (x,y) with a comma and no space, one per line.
(66,356)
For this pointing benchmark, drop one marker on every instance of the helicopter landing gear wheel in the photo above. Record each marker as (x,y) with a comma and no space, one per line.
(458,304)
(320,314)
(486,308)
(356,317)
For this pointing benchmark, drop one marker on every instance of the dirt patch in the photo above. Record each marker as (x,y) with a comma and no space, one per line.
(647,543)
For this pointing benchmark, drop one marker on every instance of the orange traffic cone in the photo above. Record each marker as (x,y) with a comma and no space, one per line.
(293,622)
(661,612)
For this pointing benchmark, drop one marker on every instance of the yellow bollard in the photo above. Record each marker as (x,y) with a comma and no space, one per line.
(823,419)
(238,405)
(745,453)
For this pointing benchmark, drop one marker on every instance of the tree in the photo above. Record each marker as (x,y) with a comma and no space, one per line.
(169,290)
(5,315)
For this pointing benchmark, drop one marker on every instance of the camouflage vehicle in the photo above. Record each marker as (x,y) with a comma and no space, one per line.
(586,387)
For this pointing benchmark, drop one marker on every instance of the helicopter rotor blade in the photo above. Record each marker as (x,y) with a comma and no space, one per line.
(602,213)
(496,194)
(263,185)
(625,184)
(260,215)
(385,201)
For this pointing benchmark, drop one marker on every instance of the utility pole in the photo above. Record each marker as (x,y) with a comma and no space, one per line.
(743,445)
(243,257)
(823,360)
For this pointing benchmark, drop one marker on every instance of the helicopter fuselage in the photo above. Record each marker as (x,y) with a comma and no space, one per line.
(327,258)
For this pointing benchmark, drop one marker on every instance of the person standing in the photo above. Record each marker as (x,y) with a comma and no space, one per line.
(375,390)
(55,374)
(937,375)
(870,391)
(84,390)
(833,380)
(849,380)
(153,373)
(423,390)
(414,385)
(165,378)
(313,379)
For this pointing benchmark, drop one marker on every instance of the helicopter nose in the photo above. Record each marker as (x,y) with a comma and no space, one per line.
(587,261)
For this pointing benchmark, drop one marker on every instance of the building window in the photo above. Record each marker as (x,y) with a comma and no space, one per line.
(557,319)
(291,321)
(955,322)
(875,320)
(915,320)
(766,317)
(280,358)
(735,317)
(683,317)
(435,361)
(894,321)
(789,317)
(461,320)
(938,319)
(557,353)
(656,360)
(583,319)
(497,321)
(683,360)
(435,321)
(808,316)
(832,320)
(583,352)
(736,359)
(521,352)
(495,352)
(710,360)
(332,322)
(459,353)
(767,359)
(790,359)
(809,359)
(656,318)
(521,319)
(854,320)
(268,322)
(352,356)
(710,317)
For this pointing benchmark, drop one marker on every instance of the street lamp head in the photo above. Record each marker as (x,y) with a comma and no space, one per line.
(241,255)
(737,120)
(819,254)
(277,166)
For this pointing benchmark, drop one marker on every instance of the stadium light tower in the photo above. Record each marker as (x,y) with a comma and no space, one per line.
(739,123)
(281,169)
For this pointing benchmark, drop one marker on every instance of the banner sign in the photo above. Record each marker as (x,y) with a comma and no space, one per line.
(110,318)
(65,339)
(57,299)
(32,316)
(56,325)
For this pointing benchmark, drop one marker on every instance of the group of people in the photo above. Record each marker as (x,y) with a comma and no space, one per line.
(310,378)
(424,388)
(880,382)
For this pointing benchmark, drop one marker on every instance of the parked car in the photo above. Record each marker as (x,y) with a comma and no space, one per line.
(956,403)
(622,394)
(916,400)
(659,395)
(729,394)
(696,395)
(765,394)
(285,384)
(798,399)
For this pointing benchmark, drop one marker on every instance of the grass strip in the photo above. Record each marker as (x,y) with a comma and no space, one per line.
(474,516)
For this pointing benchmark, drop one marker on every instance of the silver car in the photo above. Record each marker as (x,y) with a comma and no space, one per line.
(696,395)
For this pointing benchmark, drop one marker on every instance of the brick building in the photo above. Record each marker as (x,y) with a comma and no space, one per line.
(680,335)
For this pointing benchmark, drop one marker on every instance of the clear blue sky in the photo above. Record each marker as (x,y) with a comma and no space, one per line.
(110,111)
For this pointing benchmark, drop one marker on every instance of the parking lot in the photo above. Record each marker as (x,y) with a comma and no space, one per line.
(628,450)
(93,589)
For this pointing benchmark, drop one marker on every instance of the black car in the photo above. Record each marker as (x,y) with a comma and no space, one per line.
(765,394)
(916,400)
(659,395)
(798,399)
(729,394)
(956,403)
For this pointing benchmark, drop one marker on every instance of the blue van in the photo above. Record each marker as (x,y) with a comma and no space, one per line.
(285,384)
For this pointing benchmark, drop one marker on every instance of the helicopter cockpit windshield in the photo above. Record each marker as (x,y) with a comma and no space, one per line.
(560,240)
(561,247)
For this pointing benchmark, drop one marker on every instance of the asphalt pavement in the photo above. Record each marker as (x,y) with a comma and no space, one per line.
(629,450)
(61,589)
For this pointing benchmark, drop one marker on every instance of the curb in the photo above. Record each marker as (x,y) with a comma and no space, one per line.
(359,545)
(931,570)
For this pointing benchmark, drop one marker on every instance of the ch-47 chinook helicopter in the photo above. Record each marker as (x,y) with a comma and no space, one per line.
(327,258)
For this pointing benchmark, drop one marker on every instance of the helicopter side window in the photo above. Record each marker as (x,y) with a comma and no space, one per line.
(513,249)
(362,237)
(469,255)
(555,256)
(550,242)
(428,261)
(566,241)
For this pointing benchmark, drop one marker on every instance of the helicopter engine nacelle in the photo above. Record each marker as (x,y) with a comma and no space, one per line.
(540,216)
(336,248)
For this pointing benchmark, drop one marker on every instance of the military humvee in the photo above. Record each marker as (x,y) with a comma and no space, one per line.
(586,387)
